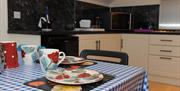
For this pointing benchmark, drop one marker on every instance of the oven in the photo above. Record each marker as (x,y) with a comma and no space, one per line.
(68,44)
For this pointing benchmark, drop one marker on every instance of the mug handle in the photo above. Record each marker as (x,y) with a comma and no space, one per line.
(62,57)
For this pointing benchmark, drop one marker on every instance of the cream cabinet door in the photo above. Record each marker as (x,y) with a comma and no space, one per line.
(88,41)
(164,66)
(110,44)
(136,46)
(87,44)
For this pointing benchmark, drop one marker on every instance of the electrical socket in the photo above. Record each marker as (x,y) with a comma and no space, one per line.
(17,15)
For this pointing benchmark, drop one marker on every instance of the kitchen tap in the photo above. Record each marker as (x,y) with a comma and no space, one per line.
(44,22)
(41,20)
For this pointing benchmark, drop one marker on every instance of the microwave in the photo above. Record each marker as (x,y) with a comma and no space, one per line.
(120,21)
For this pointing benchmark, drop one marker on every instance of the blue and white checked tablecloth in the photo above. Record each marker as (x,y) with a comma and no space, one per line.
(127,78)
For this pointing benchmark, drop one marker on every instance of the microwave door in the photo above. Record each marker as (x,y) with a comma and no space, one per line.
(120,21)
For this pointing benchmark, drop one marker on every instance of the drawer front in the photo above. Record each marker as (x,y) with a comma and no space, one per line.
(165,40)
(165,50)
(164,66)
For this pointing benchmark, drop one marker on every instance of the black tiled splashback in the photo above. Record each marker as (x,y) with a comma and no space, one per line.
(142,16)
(29,12)
(64,14)
(92,11)
(61,14)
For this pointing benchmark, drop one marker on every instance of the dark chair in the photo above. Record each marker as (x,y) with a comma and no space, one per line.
(123,56)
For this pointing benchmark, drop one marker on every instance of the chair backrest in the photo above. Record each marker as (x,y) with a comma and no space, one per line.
(123,56)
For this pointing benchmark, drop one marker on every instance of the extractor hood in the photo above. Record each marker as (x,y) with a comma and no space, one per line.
(169,14)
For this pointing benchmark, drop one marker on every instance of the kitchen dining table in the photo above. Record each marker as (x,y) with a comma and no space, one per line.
(126,78)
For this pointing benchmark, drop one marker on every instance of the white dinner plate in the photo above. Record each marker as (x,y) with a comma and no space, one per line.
(74,77)
(73,60)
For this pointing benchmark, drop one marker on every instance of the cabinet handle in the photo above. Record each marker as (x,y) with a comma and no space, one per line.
(165,51)
(130,21)
(121,43)
(96,45)
(99,44)
(166,58)
(163,40)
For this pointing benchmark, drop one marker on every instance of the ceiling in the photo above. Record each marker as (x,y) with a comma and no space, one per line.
(100,2)
(107,1)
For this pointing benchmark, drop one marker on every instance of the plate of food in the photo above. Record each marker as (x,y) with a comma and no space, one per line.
(73,60)
(76,76)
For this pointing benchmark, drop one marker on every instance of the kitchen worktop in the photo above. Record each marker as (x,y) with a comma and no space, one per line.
(70,32)
(110,32)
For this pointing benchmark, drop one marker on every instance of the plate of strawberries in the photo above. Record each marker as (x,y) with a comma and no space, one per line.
(74,76)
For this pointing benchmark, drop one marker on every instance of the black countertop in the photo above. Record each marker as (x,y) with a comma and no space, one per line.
(79,32)
(94,32)
(110,32)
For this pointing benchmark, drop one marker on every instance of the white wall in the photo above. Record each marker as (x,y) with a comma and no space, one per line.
(19,38)
(99,2)
(117,3)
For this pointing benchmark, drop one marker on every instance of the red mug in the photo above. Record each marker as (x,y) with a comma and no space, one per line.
(2,59)
(10,53)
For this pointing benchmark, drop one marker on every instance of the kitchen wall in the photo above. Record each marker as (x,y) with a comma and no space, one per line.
(35,39)
(145,17)
(4,36)
(27,8)
(98,14)
(60,12)
(118,3)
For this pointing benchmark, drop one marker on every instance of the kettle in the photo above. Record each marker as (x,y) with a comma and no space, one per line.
(2,59)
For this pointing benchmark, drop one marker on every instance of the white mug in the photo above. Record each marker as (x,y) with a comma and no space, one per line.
(29,54)
(50,59)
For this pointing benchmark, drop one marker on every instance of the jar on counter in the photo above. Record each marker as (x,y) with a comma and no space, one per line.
(98,22)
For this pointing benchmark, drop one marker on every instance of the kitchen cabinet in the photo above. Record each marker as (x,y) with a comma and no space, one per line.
(164,66)
(164,59)
(87,44)
(110,42)
(136,46)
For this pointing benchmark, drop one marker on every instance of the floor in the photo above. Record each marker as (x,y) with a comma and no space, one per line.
(155,86)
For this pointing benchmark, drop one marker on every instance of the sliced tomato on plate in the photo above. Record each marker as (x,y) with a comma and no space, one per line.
(66,76)
(83,75)
(59,77)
